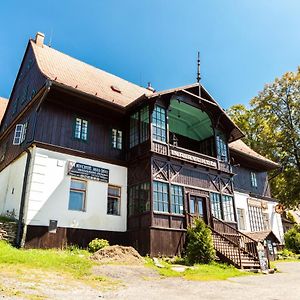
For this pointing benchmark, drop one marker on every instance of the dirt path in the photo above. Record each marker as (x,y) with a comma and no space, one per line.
(138,282)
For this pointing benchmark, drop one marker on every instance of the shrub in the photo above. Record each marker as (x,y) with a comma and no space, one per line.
(292,239)
(200,247)
(97,244)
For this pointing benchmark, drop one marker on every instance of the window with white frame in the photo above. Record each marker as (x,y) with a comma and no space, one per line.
(216,208)
(227,202)
(20,134)
(116,139)
(176,199)
(256,218)
(113,200)
(253,179)
(77,196)
(81,129)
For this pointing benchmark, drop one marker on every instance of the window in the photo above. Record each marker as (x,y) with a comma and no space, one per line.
(159,124)
(116,139)
(222,152)
(77,195)
(215,200)
(241,218)
(144,125)
(81,129)
(266,221)
(176,199)
(113,200)
(160,196)
(227,202)
(139,198)
(253,179)
(134,130)
(256,218)
(20,134)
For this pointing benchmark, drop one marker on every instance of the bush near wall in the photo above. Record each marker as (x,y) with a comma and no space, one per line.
(292,239)
(200,248)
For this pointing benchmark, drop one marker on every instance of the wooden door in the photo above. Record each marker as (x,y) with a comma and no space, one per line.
(197,207)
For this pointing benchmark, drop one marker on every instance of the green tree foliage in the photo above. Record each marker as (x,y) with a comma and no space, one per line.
(272,128)
(200,247)
(292,239)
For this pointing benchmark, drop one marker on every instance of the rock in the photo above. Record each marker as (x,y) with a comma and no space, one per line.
(157,263)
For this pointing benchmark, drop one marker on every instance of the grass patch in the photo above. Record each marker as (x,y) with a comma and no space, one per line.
(201,272)
(74,263)
(4,219)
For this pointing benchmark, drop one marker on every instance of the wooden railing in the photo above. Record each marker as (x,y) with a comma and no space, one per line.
(190,156)
(242,241)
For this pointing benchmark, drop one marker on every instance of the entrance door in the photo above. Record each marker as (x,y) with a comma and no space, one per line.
(198,207)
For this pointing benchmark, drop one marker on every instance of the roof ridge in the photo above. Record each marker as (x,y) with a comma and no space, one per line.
(85,63)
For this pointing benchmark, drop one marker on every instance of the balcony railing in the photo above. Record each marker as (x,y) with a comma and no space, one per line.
(190,156)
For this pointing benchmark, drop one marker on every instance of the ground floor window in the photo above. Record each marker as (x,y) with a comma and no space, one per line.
(160,196)
(139,198)
(77,195)
(113,200)
(176,199)
(216,208)
(256,218)
(241,218)
(228,212)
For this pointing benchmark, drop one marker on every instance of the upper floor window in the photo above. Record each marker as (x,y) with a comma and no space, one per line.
(20,134)
(77,195)
(134,130)
(113,200)
(144,125)
(81,129)
(159,124)
(116,139)
(253,179)
(222,152)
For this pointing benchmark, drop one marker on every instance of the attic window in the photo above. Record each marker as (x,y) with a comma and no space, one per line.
(115,88)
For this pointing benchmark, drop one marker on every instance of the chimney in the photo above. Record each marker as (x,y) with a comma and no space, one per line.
(39,39)
(150,88)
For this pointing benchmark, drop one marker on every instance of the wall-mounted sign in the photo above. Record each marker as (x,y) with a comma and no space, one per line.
(193,158)
(279,208)
(88,172)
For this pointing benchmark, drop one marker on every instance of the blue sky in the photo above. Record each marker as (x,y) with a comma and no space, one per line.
(243,43)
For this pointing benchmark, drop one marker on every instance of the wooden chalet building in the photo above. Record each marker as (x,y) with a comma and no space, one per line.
(86,154)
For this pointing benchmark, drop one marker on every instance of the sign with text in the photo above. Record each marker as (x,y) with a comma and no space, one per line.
(194,158)
(88,172)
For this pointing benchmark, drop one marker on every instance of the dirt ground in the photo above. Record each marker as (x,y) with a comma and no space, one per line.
(139,282)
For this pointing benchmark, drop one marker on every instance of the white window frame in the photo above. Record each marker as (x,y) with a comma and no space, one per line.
(117,138)
(78,190)
(20,134)
(81,129)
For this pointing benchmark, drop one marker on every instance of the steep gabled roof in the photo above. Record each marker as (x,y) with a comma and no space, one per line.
(3,105)
(74,73)
(240,149)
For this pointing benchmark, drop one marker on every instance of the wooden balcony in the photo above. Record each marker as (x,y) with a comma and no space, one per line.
(190,156)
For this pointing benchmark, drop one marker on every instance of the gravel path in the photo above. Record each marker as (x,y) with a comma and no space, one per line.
(139,282)
(279,286)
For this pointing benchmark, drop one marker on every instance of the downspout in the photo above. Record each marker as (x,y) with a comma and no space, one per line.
(19,238)
(21,232)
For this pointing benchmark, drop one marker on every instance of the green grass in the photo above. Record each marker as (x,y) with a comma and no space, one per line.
(4,219)
(202,272)
(75,263)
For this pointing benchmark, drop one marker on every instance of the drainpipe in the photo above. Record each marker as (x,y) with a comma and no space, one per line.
(19,239)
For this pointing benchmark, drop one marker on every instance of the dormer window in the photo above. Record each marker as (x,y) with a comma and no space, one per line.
(253,179)
(20,134)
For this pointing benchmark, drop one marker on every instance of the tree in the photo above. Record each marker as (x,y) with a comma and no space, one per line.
(292,239)
(272,128)
(200,248)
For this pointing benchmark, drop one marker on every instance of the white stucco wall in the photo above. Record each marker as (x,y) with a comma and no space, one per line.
(49,194)
(11,183)
(241,201)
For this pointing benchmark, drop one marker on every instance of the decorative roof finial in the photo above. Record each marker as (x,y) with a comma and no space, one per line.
(198,68)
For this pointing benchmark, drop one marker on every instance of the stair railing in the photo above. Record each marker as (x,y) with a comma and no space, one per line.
(244,242)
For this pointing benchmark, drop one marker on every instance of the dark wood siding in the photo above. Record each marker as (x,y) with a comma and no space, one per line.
(28,82)
(242,181)
(56,121)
